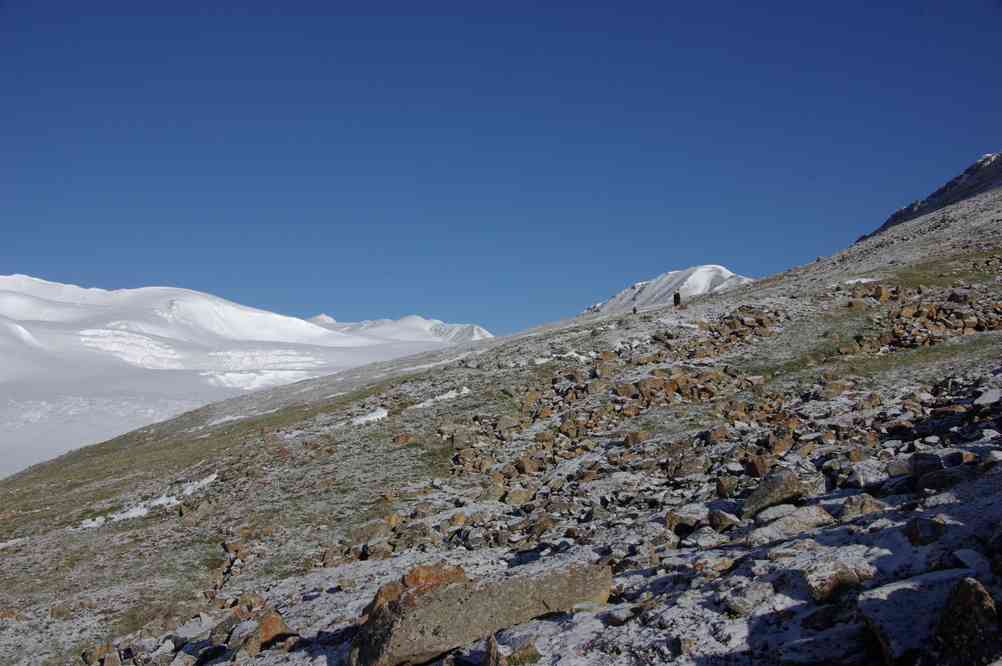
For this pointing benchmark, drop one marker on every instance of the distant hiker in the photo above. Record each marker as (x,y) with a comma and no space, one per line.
(678,298)
(634,309)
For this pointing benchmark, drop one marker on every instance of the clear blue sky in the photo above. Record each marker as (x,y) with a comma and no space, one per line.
(501,163)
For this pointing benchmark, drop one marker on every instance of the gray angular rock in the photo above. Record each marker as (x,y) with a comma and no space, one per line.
(424,622)
(860,505)
(828,575)
(778,487)
(722,521)
(903,616)
(968,630)
(743,600)
(803,519)
(988,397)
(766,516)
(868,474)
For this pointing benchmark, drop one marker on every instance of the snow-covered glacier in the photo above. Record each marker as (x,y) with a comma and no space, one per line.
(80,365)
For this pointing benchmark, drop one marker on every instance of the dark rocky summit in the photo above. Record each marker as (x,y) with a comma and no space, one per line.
(982,176)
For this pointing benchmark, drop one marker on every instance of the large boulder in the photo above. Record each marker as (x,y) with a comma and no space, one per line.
(415,624)
(968,631)
(903,616)
(780,486)
(835,571)
(801,520)
(271,630)
(860,505)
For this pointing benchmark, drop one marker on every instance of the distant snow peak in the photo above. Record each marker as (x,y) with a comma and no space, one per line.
(135,356)
(691,282)
(410,328)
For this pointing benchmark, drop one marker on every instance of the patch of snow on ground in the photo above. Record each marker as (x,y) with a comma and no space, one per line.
(252,381)
(143,508)
(426,366)
(234,417)
(449,395)
(193,487)
(256,359)
(375,415)
(542,360)
(133,348)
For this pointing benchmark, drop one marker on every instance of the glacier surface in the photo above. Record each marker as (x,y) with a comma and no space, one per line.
(80,365)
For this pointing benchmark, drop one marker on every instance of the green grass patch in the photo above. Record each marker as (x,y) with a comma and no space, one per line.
(970,348)
(943,272)
(53,493)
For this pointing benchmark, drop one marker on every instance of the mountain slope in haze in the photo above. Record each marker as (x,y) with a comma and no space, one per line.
(982,176)
(691,282)
(79,365)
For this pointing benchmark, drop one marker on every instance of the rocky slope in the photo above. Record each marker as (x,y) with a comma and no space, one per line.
(982,176)
(801,471)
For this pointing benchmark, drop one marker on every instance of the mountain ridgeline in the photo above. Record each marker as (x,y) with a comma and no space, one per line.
(689,283)
(982,176)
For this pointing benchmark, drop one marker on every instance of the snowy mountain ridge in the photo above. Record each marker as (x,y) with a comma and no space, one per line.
(79,365)
(690,282)
(410,327)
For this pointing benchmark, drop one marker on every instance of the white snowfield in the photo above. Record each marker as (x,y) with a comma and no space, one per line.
(79,365)
(691,282)
(411,328)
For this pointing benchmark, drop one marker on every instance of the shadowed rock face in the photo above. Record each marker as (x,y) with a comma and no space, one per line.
(426,621)
(776,488)
(982,176)
(903,615)
(969,627)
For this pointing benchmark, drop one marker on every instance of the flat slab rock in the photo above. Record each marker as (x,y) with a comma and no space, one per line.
(800,520)
(780,486)
(413,624)
(904,615)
